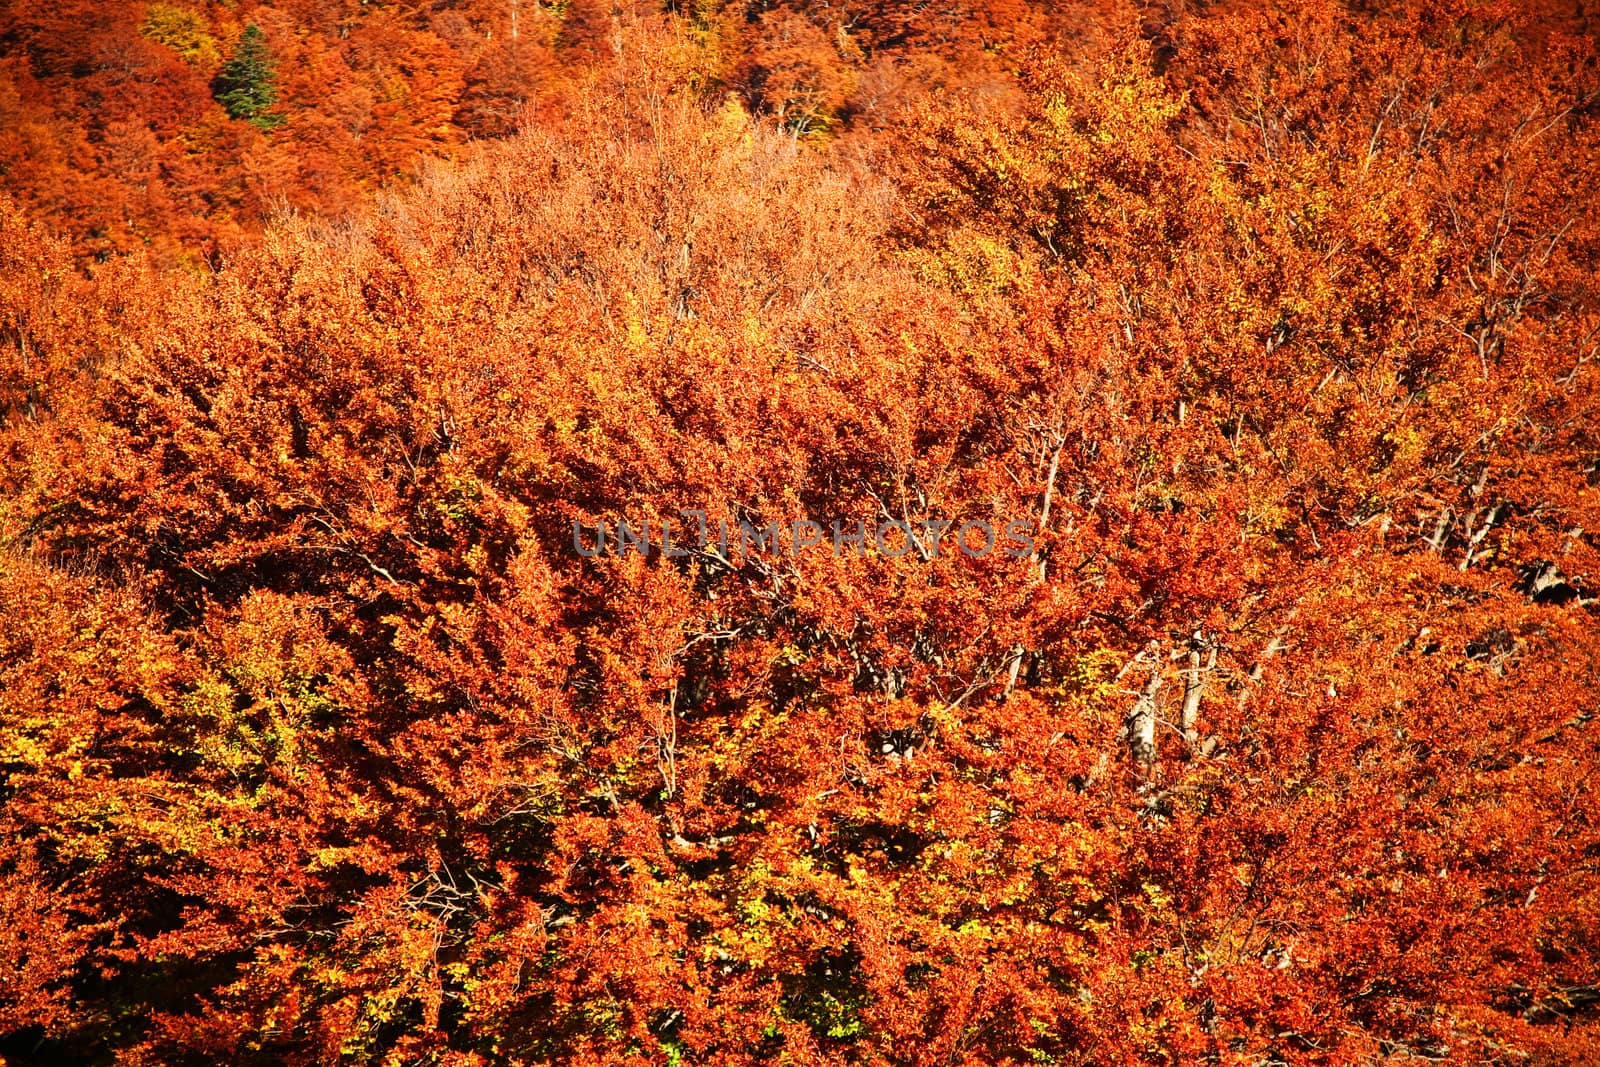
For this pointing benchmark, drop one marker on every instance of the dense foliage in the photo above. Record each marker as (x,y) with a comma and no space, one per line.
(1275,326)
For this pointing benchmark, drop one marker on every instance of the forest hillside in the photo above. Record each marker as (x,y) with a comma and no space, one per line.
(798,533)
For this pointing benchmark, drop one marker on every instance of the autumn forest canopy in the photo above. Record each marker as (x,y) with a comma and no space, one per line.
(1266,338)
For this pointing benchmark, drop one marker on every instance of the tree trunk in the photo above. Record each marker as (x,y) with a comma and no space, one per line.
(1142,720)
(1193,688)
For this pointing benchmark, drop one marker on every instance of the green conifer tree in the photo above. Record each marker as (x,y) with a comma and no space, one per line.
(245,85)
